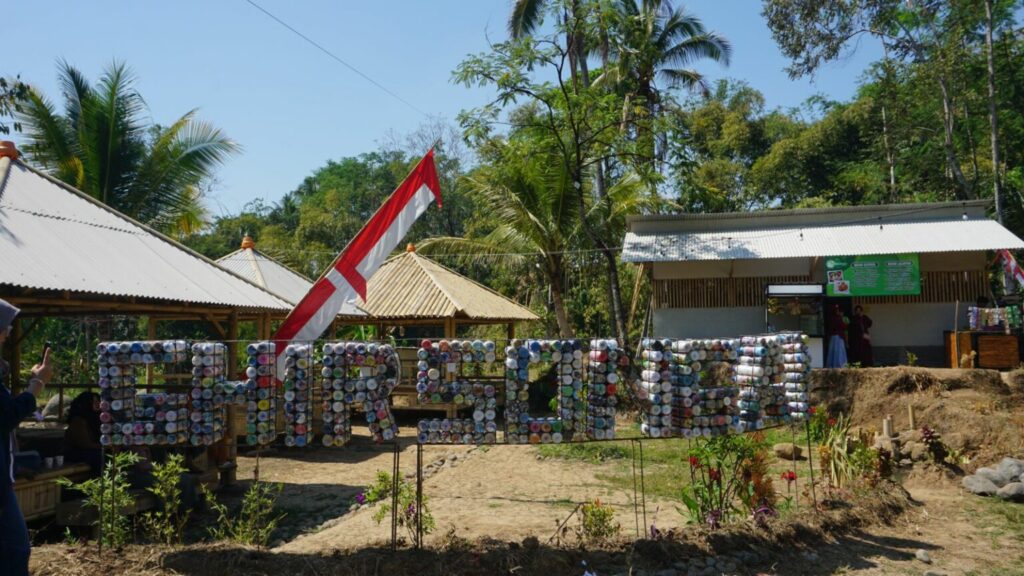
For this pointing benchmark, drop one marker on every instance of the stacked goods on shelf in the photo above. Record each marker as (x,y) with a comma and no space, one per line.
(606,358)
(260,391)
(338,393)
(449,373)
(797,366)
(370,372)
(994,318)
(297,411)
(161,419)
(209,381)
(704,397)
(117,361)
(566,357)
(658,379)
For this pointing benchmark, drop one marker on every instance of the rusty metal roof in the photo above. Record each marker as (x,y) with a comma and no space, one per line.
(53,237)
(409,286)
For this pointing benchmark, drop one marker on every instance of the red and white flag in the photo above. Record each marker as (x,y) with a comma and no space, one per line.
(347,276)
(1011,266)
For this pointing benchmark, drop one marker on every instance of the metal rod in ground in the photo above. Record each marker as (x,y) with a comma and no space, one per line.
(636,510)
(810,462)
(394,500)
(796,484)
(419,496)
(643,489)
(561,525)
(103,492)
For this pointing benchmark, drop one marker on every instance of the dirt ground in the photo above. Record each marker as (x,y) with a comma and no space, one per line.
(496,508)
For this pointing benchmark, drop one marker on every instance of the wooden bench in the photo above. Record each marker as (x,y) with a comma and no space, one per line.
(39,497)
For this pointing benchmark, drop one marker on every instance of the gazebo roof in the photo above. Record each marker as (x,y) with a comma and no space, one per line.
(258,268)
(411,287)
(61,247)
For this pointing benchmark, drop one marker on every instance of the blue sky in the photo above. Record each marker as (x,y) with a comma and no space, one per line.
(290,106)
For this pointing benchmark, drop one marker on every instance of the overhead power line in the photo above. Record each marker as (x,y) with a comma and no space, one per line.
(335,57)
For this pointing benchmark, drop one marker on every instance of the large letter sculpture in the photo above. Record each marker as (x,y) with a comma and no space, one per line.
(450,373)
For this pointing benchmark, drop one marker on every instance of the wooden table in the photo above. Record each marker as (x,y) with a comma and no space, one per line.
(38,497)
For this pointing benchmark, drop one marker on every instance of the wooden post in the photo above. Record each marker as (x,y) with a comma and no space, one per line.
(511,331)
(910,416)
(233,344)
(449,328)
(887,426)
(150,335)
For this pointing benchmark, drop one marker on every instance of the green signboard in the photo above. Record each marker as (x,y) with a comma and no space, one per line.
(885,275)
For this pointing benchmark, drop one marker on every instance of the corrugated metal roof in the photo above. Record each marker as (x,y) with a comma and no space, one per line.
(264,271)
(411,286)
(53,237)
(876,237)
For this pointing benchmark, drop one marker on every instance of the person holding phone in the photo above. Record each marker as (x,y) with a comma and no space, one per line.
(14,543)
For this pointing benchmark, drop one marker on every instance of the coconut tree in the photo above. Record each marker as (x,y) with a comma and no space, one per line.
(529,198)
(654,46)
(101,145)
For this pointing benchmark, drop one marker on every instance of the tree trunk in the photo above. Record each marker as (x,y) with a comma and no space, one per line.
(964,191)
(565,329)
(889,158)
(993,118)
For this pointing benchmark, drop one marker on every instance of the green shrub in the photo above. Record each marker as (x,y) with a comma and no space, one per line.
(167,524)
(718,488)
(408,514)
(597,522)
(109,495)
(256,520)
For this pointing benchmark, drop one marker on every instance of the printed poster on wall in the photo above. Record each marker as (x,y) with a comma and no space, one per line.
(881,275)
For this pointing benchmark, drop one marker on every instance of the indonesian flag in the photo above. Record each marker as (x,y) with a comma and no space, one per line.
(1011,267)
(347,276)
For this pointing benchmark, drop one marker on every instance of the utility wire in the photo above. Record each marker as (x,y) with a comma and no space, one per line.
(335,57)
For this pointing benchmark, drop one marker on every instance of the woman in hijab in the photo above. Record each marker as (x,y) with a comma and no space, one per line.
(836,339)
(14,544)
(82,438)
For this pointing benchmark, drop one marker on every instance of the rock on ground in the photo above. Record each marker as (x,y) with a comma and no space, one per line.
(1013,492)
(992,475)
(923,556)
(787,451)
(1010,468)
(979,485)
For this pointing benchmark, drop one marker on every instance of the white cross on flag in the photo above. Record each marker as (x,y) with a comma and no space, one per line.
(347,276)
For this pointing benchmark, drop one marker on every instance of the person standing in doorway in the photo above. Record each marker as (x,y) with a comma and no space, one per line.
(860,338)
(14,544)
(837,325)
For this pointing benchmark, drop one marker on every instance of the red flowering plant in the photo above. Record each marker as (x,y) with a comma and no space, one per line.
(719,488)
(819,424)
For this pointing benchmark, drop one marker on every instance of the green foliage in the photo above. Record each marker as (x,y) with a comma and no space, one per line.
(109,495)
(911,358)
(256,520)
(167,524)
(719,490)
(101,145)
(820,423)
(12,93)
(408,514)
(846,459)
(597,522)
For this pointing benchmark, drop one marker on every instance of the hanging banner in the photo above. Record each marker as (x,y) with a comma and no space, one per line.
(877,275)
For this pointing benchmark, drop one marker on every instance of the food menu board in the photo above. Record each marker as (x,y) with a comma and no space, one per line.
(877,275)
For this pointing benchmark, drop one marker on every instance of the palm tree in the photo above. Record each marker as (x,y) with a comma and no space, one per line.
(653,42)
(530,198)
(101,145)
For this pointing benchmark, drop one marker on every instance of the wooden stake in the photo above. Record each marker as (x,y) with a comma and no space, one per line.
(910,416)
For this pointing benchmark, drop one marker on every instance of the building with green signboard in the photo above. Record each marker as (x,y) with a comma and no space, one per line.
(913,267)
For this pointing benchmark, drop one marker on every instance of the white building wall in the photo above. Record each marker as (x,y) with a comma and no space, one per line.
(901,325)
